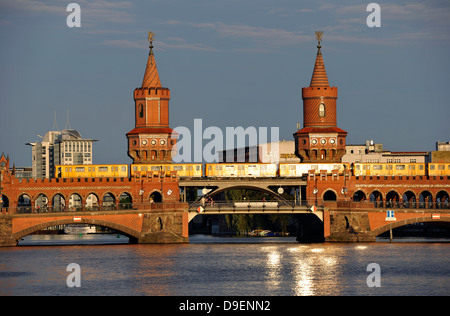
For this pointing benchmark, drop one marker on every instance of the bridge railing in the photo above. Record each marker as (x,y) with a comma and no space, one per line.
(27,209)
(242,204)
(389,205)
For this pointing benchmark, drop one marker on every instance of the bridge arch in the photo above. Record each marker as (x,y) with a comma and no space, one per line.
(378,231)
(247,187)
(130,233)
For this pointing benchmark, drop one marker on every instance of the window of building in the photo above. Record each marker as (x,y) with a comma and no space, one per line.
(321,110)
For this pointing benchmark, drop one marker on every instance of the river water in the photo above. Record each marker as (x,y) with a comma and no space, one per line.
(220,266)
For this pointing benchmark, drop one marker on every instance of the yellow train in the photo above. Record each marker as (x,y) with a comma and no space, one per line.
(439,169)
(183,170)
(235,170)
(389,169)
(92,171)
(299,169)
(253,170)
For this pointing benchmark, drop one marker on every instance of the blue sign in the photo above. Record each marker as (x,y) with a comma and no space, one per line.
(390,216)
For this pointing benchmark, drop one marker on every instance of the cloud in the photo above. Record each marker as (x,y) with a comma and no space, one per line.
(254,33)
(91,11)
(125,43)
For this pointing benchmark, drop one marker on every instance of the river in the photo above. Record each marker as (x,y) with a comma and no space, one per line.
(212,266)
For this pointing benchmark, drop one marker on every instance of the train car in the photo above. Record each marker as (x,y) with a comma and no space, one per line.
(237,170)
(438,169)
(298,169)
(92,171)
(183,170)
(389,169)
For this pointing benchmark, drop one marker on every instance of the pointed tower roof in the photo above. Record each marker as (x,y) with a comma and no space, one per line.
(151,76)
(319,77)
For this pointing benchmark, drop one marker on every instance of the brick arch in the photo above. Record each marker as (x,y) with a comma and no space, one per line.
(392,225)
(131,233)
(332,190)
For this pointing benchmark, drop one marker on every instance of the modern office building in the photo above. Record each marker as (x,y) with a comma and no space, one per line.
(65,147)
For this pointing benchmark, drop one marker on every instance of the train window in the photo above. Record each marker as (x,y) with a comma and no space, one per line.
(155,168)
(420,167)
(431,167)
(79,169)
(197,168)
(124,168)
(412,167)
(292,167)
(400,167)
(358,167)
(135,168)
(378,167)
(441,167)
(241,167)
(67,169)
(102,169)
(218,167)
(209,167)
(177,168)
(252,166)
(366,167)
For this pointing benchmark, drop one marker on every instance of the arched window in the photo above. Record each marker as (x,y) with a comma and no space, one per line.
(321,110)
(141,110)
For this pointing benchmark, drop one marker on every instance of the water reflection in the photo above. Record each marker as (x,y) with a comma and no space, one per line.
(226,267)
(316,272)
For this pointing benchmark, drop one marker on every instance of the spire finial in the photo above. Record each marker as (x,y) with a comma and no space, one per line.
(319,35)
(150,39)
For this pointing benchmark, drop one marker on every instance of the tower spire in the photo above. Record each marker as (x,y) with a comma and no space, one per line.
(319,77)
(151,76)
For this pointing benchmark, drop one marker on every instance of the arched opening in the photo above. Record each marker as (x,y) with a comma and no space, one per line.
(442,200)
(415,227)
(92,202)
(359,196)
(409,199)
(425,200)
(377,198)
(125,201)
(4,201)
(155,197)
(75,203)
(24,204)
(58,203)
(108,202)
(329,196)
(392,199)
(41,203)
(111,228)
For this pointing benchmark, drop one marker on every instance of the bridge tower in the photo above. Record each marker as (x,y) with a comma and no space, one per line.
(151,141)
(320,140)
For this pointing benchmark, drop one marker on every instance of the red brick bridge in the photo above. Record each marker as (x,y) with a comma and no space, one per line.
(352,209)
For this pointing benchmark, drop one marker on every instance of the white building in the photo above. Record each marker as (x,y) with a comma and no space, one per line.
(65,147)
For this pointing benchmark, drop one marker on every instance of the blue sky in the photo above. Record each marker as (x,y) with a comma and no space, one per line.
(231,63)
